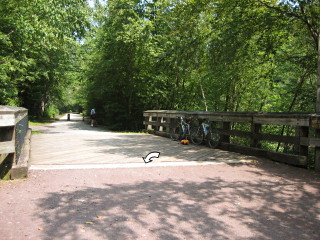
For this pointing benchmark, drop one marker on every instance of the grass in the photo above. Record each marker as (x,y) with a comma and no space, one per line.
(39,122)
(36,132)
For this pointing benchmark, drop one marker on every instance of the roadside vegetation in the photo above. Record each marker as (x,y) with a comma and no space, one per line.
(122,57)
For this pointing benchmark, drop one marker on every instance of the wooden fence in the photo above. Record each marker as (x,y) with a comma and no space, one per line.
(14,142)
(291,138)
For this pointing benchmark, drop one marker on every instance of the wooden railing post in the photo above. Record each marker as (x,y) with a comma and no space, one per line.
(149,126)
(159,127)
(225,138)
(317,152)
(168,121)
(255,130)
(301,150)
(172,124)
(314,123)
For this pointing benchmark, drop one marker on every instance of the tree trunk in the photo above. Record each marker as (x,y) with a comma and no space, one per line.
(203,95)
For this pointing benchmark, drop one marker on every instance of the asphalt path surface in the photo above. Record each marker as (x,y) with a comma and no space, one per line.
(215,196)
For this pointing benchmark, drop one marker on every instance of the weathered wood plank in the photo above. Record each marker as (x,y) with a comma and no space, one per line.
(315,121)
(259,136)
(279,157)
(157,124)
(7,147)
(292,119)
(7,120)
(3,157)
(277,138)
(311,142)
(288,158)
(281,121)
(9,116)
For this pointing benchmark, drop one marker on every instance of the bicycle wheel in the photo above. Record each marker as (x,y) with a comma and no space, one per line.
(176,133)
(196,135)
(213,139)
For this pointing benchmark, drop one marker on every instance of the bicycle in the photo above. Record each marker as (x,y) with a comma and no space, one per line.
(205,133)
(180,131)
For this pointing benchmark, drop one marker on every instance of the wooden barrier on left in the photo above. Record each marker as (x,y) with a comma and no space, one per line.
(14,142)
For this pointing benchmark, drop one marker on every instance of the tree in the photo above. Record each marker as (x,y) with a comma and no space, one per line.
(222,55)
(38,39)
(307,14)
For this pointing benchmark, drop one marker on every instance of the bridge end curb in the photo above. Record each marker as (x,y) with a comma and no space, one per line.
(20,169)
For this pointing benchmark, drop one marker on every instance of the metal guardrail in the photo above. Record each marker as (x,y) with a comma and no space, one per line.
(284,137)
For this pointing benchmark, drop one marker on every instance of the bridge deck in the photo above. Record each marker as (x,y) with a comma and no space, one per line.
(73,143)
(265,200)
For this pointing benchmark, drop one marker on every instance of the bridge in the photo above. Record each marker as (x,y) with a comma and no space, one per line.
(89,183)
(75,144)
(289,138)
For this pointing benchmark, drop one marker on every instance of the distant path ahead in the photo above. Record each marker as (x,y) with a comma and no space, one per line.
(74,144)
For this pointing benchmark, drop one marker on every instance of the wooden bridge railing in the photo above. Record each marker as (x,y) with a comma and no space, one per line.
(284,137)
(14,142)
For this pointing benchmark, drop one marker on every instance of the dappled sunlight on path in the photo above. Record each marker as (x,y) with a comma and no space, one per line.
(260,201)
(77,143)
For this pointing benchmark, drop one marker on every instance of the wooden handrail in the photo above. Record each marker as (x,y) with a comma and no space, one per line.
(161,121)
(13,130)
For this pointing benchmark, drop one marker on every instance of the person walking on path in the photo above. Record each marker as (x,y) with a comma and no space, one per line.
(93,117)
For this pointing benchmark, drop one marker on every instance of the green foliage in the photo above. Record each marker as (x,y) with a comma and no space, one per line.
(50,112)
(222,55)
(37,39)
(126,56)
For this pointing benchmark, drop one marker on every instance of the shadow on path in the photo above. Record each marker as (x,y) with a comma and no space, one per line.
(75,142)
(132,146)
(254,206)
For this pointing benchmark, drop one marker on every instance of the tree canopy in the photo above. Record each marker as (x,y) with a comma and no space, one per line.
(38,40)
(126,56)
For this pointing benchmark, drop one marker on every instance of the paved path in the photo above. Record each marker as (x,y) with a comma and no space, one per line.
(257,200)
(74,144)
